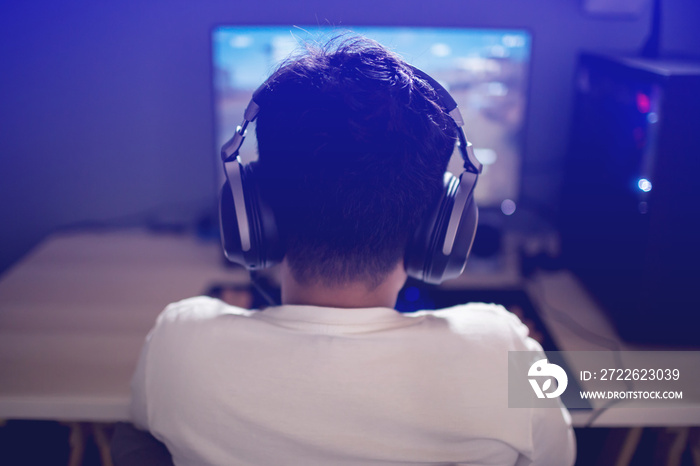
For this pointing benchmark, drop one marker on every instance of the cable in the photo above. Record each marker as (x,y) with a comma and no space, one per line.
(576,328)
(255,281)
(562,317)
(598,412)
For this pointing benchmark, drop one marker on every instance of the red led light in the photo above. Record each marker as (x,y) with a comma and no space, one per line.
(643,103)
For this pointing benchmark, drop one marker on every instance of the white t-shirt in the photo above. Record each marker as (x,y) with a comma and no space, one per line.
(306,385)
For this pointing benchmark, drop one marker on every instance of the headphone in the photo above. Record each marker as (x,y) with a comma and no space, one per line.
(438,249)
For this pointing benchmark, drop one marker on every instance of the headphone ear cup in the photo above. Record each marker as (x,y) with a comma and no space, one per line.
(262,245)
(441,244)
(266,242)
(228,226)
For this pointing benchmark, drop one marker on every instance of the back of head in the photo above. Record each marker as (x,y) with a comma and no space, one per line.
(352,151)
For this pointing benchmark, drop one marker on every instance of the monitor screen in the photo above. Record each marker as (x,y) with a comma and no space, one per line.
(485,70)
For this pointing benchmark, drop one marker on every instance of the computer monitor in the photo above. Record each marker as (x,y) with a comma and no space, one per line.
(485,70)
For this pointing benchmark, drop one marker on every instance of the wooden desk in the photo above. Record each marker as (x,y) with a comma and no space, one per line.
(75,312)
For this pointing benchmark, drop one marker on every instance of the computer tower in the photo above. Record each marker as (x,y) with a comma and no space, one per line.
(630,212)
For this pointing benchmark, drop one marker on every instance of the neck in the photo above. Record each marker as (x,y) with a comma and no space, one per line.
(348,295)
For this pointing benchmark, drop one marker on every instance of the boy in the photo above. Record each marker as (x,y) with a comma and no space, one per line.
(353,146)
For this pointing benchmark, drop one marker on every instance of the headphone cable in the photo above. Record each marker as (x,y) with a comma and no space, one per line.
(256,282)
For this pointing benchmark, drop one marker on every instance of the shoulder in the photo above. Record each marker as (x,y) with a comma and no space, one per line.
(487,313)
(198,309)
(490,322)
(185,327)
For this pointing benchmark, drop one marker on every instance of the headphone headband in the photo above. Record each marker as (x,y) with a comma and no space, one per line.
(471,163)
(230,149)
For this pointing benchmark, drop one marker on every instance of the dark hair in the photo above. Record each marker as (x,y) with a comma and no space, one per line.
(352,151)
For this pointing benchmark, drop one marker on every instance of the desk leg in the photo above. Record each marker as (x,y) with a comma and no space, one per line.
(76,440)
(629,446)
(102,441)
(79,433)
(694,445)
(671,444)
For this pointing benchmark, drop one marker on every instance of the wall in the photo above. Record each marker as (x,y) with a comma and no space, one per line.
(106,112)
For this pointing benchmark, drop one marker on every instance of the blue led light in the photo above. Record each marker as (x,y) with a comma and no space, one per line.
(644,185)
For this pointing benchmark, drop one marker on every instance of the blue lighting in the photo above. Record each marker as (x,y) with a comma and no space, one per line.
(412,294)
(644,185)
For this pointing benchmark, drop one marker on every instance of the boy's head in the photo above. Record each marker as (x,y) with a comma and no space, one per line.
(352,151)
